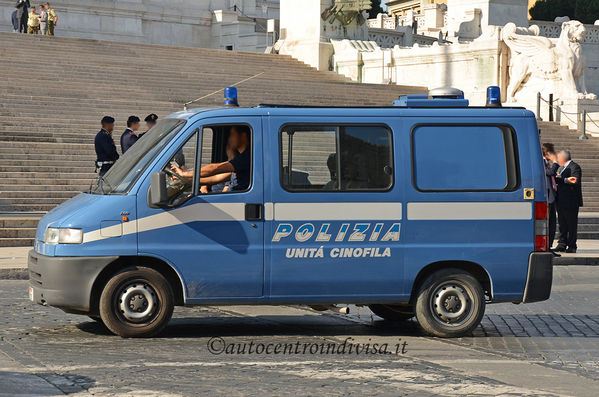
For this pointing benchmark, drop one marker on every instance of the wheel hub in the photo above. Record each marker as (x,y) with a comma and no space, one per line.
(137,302)
(451,304)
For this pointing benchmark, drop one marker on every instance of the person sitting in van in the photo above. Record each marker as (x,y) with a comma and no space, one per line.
(239,140)
(220,183)
(332,165)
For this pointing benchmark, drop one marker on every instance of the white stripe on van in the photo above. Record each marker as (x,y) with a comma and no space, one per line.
(470,211)
(336,211)
(269,211)
(200,212)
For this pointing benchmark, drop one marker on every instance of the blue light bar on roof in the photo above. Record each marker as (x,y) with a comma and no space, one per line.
(423,101)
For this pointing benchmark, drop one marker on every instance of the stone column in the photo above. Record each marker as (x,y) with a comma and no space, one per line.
(460,13)
(307,27)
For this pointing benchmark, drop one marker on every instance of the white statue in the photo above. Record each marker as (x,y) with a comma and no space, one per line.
(557,63)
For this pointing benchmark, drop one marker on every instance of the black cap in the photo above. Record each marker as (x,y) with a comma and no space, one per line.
(151,118)
(107,120)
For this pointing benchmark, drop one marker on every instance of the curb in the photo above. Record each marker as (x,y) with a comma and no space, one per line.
(576,261)
(14,274)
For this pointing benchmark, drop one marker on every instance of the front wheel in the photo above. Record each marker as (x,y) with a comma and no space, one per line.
(450,303)
(137,302)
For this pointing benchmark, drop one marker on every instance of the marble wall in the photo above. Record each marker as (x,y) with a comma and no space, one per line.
(168,22)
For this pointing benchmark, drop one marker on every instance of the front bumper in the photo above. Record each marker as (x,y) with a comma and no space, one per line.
(539,278)
(64,282)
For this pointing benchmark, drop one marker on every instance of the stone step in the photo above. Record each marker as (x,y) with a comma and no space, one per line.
(70,183)
(16,222)
(17,232)
(72,187)
(47,131)
(16,242)
(16,207)
(59,194)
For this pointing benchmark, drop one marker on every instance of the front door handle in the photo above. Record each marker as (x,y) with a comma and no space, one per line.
(253,212)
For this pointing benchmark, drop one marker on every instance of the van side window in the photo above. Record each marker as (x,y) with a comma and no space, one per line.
(221,144)
(180,171)
(464,158)
(336,158)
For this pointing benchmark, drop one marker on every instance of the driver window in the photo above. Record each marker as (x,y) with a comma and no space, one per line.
(221,144)
(180,171)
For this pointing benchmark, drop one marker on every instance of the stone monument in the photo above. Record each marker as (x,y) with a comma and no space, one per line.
(540,64)
(467,17)
(307,28)
(223,24)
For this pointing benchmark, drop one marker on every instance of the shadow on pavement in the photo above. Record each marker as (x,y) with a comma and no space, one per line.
(191,327)
(512,325)
(42,384)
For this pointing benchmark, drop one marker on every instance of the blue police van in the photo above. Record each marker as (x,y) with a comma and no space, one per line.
(428,209)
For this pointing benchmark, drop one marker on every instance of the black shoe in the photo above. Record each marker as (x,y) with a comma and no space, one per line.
(571,250)
(560,248)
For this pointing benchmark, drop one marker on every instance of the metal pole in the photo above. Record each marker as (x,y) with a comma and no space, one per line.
(584,136)
(539,106)
(550,107)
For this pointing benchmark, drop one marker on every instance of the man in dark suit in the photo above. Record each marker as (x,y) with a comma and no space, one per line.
(551,167)
(569,200)
(22,7)
(129,138)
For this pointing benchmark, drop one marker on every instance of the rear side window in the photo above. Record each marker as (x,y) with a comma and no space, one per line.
(464,158)
(336,158)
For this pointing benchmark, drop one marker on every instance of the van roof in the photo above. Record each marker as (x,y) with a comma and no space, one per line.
(390,111)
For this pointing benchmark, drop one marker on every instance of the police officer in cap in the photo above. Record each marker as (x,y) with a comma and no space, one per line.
(151,120)
(129,138)
(106,153)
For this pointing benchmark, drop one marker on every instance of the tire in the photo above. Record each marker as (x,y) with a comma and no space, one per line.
(393,312)
(150,307)
(450,303)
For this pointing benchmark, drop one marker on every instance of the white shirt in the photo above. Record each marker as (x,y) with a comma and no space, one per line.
(566,165)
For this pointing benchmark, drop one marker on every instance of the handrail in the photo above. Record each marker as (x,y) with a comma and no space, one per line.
(584,113)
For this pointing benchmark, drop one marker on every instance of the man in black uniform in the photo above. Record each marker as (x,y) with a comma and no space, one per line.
(151,120)
(129,138)
(569,201)
(106,153)
(22,7)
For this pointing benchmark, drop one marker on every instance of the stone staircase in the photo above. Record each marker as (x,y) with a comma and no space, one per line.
(56,89)
(585,153)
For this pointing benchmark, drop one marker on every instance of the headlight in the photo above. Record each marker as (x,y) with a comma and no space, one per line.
(55,235)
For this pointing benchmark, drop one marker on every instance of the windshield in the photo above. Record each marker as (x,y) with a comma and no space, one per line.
(123,174)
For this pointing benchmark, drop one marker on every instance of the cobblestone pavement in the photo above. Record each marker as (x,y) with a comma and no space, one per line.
(549,348)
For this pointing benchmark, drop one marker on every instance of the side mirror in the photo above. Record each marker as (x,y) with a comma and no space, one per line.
(158,195)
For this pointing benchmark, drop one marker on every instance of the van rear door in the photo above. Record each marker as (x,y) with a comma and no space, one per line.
(467,202)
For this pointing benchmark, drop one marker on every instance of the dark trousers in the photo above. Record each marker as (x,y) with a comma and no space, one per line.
(104,169)
(568,227)
(552,223)
(23,23)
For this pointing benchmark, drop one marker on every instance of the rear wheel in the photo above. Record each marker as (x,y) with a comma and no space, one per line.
(450,303)
(136,302)
(393,312)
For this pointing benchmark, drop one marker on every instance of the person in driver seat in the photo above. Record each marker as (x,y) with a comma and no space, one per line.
(220,183)
(239,141)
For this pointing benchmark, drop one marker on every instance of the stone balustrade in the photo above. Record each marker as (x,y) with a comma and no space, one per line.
(554,29)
